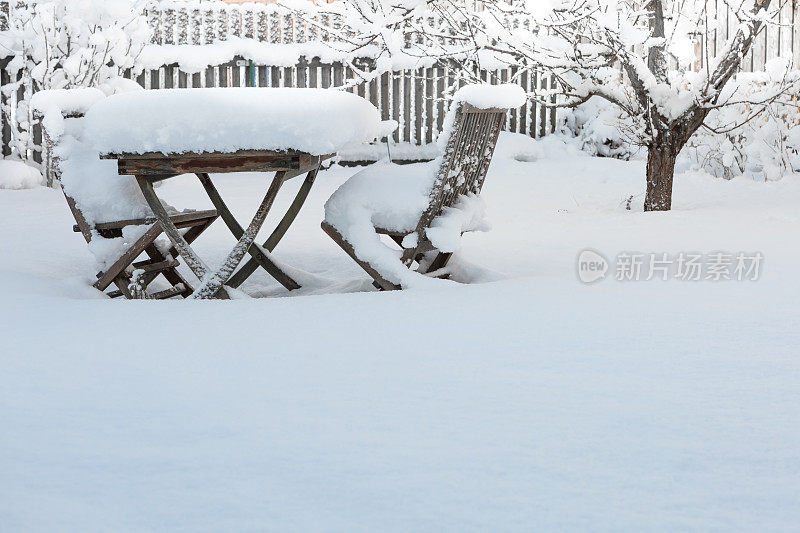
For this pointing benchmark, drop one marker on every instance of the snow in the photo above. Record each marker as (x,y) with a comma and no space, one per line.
(119,85)
(317,121)
(387,196)
(66,101)
(600,128)
(467,214)
(529,401)
(100,192)
(58,44)
(393,197)
(192,58)
(55,104)
(403,151)
(504,96)
(766,144)
(18,175)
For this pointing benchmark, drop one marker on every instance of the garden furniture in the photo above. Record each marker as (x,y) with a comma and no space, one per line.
(424,208)
(157,135)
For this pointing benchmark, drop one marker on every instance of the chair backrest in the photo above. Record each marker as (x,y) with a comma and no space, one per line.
(53,172)
(465,159)
(94,190)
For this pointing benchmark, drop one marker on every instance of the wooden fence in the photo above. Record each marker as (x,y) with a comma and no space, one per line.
(781,39)
(417,99)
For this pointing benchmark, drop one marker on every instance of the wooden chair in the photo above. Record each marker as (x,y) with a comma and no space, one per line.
(132,278)
(464,163)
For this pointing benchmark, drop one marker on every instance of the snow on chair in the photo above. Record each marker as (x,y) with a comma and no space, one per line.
(425,207)
(109,210)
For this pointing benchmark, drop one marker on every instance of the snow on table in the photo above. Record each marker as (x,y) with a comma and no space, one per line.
(66,101)
(316,121)
(55,104)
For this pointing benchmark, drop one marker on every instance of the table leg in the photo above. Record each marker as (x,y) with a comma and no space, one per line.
(259,256)
(184,249)
(213,283)
(248,268)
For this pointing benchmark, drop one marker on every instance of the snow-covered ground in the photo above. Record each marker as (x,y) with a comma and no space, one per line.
(524,401)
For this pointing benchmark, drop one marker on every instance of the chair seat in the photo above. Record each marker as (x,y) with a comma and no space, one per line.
(384,196)
(182,220)
(425,207)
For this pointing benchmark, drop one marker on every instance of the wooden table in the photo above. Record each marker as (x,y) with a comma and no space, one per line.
(151,167)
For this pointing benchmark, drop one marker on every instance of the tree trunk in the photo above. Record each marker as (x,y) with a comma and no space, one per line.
(661,158)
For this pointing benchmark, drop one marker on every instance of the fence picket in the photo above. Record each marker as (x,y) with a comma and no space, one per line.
(6,127)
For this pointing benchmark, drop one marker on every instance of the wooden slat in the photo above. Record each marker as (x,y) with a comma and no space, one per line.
(524,118)
(181,220)
(397,103)
(439,100)
(157,266)
(419,106)
(168,77)
(429,110)
(167,293)
(302,74)
(553,109)
(158,165)
(407,125)
(384,91)
(544,111)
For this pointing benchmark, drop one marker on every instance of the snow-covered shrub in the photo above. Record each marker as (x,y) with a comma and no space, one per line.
(763,148)
(57,44)
(599,127)
(17,175)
